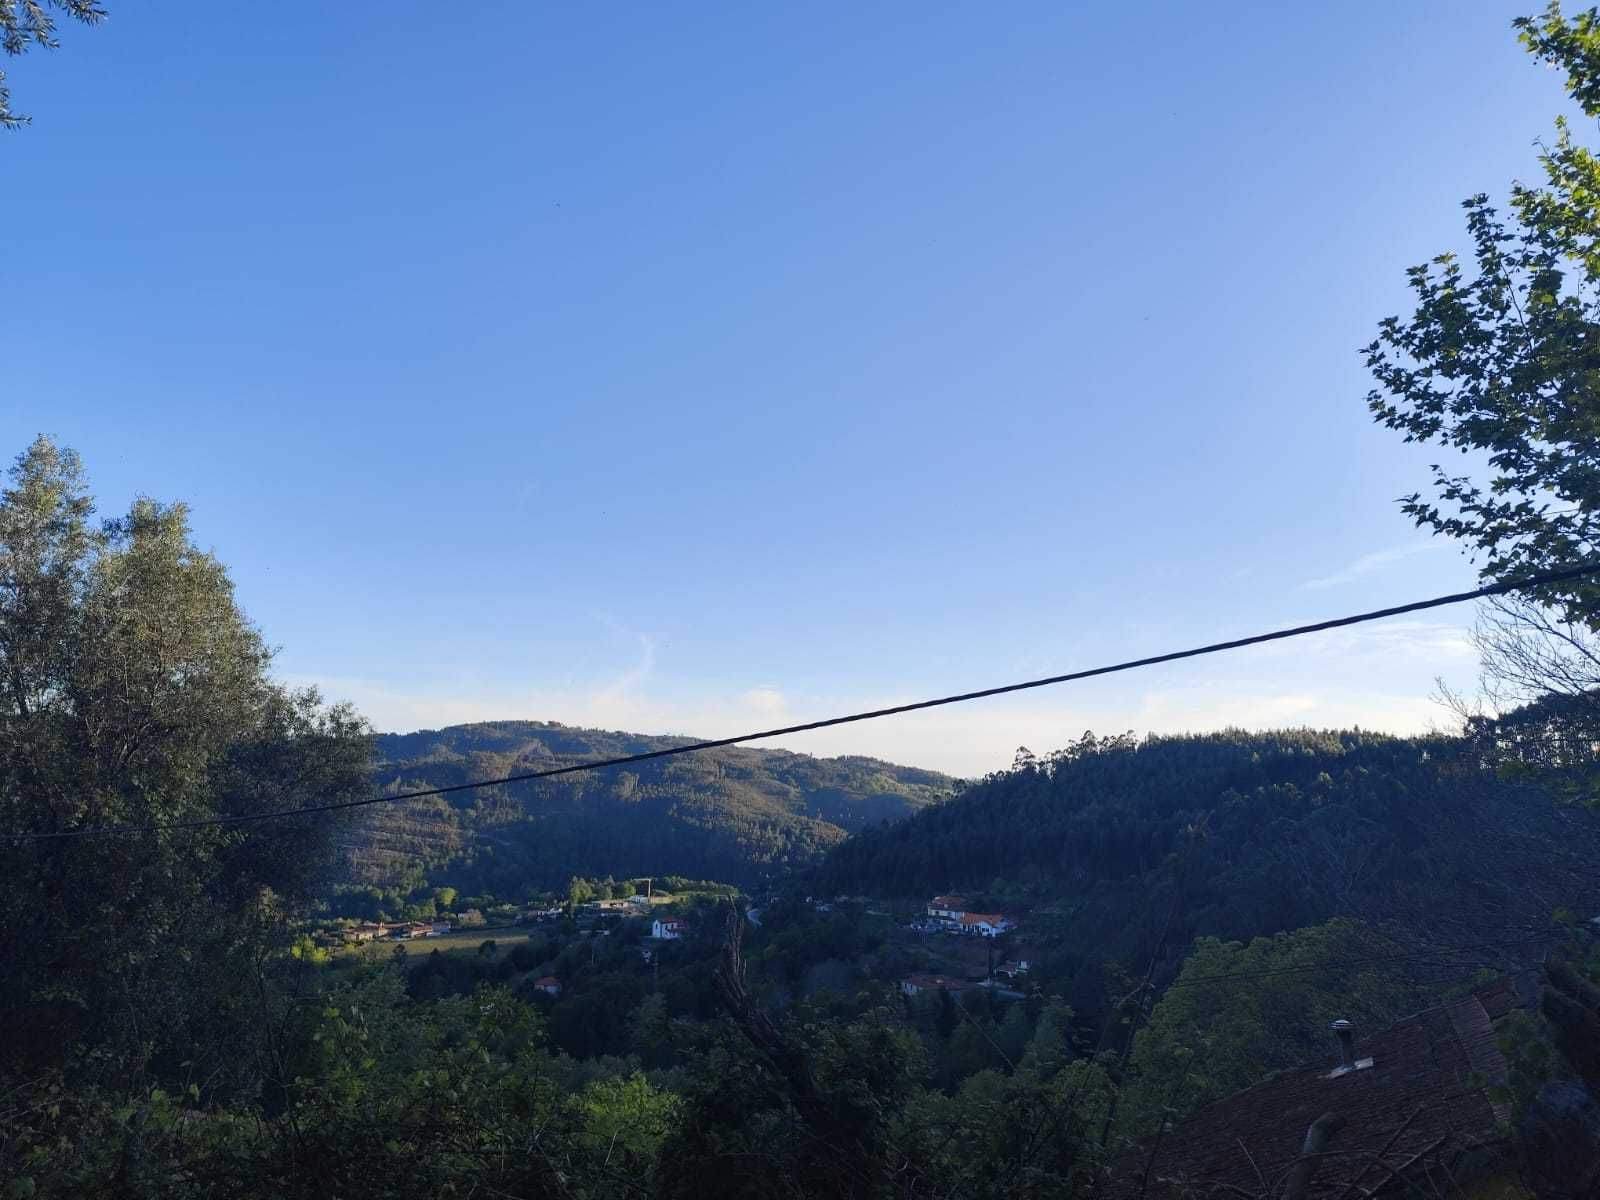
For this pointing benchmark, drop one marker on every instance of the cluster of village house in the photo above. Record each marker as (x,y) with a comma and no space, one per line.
(368,931)
(950,914)
(400,931)
(667,929)
(916,985)
(632,906)
(946,913)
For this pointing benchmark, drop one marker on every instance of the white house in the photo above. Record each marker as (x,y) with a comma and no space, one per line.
(986,924)
(668,930)
(947,908)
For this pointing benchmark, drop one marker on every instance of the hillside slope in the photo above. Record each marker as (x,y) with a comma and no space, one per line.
(1290,829)
(732,814)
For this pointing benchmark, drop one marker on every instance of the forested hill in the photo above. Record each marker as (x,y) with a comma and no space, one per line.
(1290,828)
(732,814)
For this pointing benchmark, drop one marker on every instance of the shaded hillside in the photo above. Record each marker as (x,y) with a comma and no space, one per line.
(731,814)
(1294,828)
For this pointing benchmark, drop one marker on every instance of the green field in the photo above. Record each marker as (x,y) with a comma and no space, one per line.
(455,942)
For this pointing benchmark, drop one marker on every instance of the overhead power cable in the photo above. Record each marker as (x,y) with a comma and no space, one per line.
(1545,579)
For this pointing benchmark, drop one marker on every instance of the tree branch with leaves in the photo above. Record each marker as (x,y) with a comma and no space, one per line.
(27,24)
(1500,362)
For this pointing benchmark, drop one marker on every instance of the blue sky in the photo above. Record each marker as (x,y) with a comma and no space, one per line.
(688,368)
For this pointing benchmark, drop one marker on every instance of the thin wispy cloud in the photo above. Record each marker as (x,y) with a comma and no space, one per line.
(1370,564)
(766,700)
(625,685)
(1381,645)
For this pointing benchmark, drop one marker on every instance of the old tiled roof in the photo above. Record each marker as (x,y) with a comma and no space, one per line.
(1424,1091)
(953,903)
(973,918)
(1499,997)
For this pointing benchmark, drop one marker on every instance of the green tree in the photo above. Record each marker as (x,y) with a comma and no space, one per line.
(745,1132)
(455,1085)
(133,692)
(1205,1040)
(1014,1034)
(1000,1136)
(1050,1047)
(1500,360)
(29,24)
(625,1121)
(579,891)
(649,1030)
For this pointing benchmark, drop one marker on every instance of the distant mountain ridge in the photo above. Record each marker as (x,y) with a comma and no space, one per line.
(734,814)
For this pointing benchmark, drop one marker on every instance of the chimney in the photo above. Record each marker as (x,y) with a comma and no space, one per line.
(1346,1033)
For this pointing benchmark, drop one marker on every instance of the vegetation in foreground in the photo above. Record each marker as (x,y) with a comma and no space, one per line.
(181,1033)
(173,1031)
